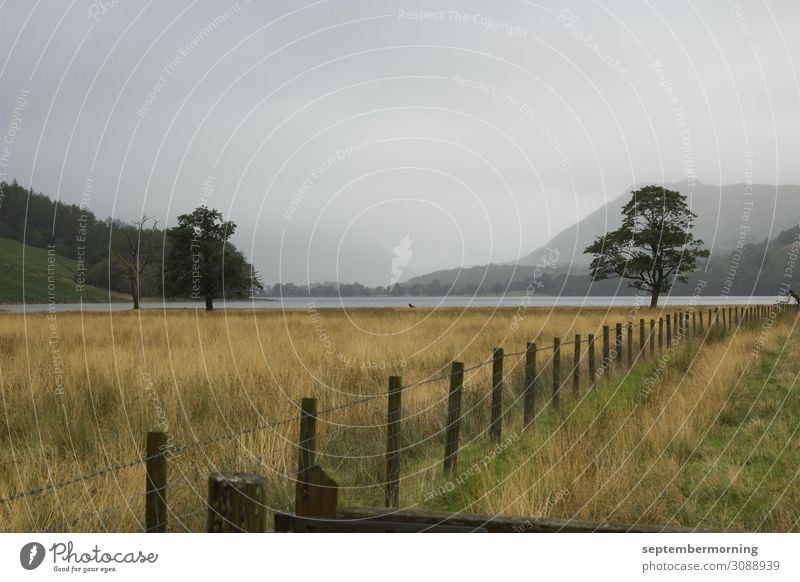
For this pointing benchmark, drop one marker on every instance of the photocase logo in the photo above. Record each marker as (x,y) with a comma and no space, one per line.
(31,555)
(402,256)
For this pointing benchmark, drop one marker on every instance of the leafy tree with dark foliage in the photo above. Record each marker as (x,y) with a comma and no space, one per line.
(654,247)
(200,262)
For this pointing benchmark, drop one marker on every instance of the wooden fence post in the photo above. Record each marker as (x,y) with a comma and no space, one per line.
(694,322)
(669,331)
(592,367)
(236,503)
(530,384)
(606,351)
(496,428)
(576,366)
(660,334)
(630,343)
(642,344)
(317,496)
(155,511)
(675,325)
(453,418)
(308,434)
(618,343)
(556,372)
(393,416)
(652,338)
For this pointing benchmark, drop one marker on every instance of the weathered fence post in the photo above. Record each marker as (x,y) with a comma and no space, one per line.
(556,372)
(308,434)
(453,418)
(652,338)
(606,350)
(629,327)
(393,416)
(642,344)
(317,496)
(702,326)
(236,503)
(660,334)
(576,366)
(592,367)
(496,428)
(694,322)
(618,343)
(530,384)
(155,511)
(669,331)
(675,324)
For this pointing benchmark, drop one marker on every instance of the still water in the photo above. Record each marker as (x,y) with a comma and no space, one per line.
(399,302)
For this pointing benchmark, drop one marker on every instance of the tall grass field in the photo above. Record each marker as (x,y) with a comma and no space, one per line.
(700,436)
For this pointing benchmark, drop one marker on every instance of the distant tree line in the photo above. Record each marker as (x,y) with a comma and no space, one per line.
(193,260)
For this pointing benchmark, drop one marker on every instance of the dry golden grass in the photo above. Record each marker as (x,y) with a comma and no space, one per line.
(201,376)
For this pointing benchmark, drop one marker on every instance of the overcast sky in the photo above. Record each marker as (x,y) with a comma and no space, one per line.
(330,130)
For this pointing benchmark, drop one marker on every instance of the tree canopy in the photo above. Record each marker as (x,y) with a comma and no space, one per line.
(654,247)
(200,262)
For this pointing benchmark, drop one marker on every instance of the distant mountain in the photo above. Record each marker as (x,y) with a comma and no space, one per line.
(719,210)
(726,216)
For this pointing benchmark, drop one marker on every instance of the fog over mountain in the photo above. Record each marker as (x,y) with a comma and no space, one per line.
(331,131)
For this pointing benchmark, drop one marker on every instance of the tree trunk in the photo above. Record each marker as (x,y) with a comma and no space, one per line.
(135,292)
(654,298)
(209,303)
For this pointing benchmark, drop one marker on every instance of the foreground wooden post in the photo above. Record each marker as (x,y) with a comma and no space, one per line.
(530,384)
(453,418)
(694,323)
(660,334)
(556,372)
(630,343)
(236,503)
(606,350)
(576,366)
(155,510)
(675,324)
(308,434)
(592,367)
(496,428)
(317,495)
(618,343)
(652,338)
(393,417)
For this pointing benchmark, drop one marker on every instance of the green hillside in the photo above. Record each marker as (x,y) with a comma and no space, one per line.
(33,266)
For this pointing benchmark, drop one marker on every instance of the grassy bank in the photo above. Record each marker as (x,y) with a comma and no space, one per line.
(710,445)
(25,276)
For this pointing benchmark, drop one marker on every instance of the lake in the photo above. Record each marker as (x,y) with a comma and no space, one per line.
(399,302)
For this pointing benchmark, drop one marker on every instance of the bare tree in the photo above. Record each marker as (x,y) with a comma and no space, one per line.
(137,255)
